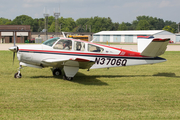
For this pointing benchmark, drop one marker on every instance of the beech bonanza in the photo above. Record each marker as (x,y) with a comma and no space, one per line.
(71,55)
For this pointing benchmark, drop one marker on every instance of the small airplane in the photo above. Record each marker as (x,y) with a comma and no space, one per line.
(71,55)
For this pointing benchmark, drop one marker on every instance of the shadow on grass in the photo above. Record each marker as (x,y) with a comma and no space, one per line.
(93,79)
(158,74)
(80,78)
(89,80)
(167,75)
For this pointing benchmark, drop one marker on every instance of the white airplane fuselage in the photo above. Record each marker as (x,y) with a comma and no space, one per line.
(72,55)
(35,54)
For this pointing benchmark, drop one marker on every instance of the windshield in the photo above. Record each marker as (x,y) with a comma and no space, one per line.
(50,42)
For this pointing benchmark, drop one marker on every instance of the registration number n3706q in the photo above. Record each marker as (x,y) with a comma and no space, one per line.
(110,61)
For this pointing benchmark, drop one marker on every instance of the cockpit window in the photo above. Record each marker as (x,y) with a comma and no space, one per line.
(63,45)
(50,42)
(79,46)
(93,48)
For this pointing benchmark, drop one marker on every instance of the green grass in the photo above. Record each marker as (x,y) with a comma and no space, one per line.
(135,92)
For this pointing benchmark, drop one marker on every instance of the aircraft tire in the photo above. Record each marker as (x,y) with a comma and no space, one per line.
(17,76)
(67,78)
(57,72)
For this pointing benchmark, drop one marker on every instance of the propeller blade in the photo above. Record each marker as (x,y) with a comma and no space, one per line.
(13,57)
(14,49)
(14,40)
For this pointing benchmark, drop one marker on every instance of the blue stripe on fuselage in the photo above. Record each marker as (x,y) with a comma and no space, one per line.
(124,57)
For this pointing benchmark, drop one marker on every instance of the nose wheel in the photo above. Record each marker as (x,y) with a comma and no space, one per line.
(18,74)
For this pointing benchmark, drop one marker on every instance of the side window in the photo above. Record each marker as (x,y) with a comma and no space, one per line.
(93,48)
(63,45)
(79,46)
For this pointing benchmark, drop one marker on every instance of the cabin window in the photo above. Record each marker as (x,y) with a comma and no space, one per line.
(63,45)
(50,42)
(79,46)
(93,48)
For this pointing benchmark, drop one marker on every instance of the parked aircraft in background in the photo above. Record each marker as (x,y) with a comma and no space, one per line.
(71,55)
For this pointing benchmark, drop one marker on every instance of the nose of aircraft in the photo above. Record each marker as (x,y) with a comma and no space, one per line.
(14,49)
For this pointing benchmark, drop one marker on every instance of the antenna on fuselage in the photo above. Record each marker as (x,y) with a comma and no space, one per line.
(63,34)
(93,40)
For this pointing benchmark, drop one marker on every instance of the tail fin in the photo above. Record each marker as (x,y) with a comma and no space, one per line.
(156,47)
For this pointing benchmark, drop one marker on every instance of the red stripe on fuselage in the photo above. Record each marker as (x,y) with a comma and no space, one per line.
(126,53)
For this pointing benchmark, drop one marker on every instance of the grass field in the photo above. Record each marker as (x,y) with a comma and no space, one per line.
(136,92)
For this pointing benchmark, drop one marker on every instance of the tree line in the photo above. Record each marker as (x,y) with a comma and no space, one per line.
(93,24)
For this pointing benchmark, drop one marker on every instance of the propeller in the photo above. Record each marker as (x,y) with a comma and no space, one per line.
(13,57)
(14,39)
(14,49)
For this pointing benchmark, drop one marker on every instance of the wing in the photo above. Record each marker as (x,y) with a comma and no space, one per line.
(73,62)
(156,47)
(53,62)
(83,63)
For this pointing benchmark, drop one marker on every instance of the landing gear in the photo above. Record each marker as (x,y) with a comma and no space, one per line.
(18,74)
(57,72)
(67,78)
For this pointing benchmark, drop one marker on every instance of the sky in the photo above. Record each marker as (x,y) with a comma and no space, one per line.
(118,10)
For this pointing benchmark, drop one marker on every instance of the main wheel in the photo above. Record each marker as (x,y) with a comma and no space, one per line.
(67,78)
(57,72)
(17,76)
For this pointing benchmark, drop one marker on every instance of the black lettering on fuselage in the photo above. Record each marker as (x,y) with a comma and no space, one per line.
(111,61)
(97,60)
